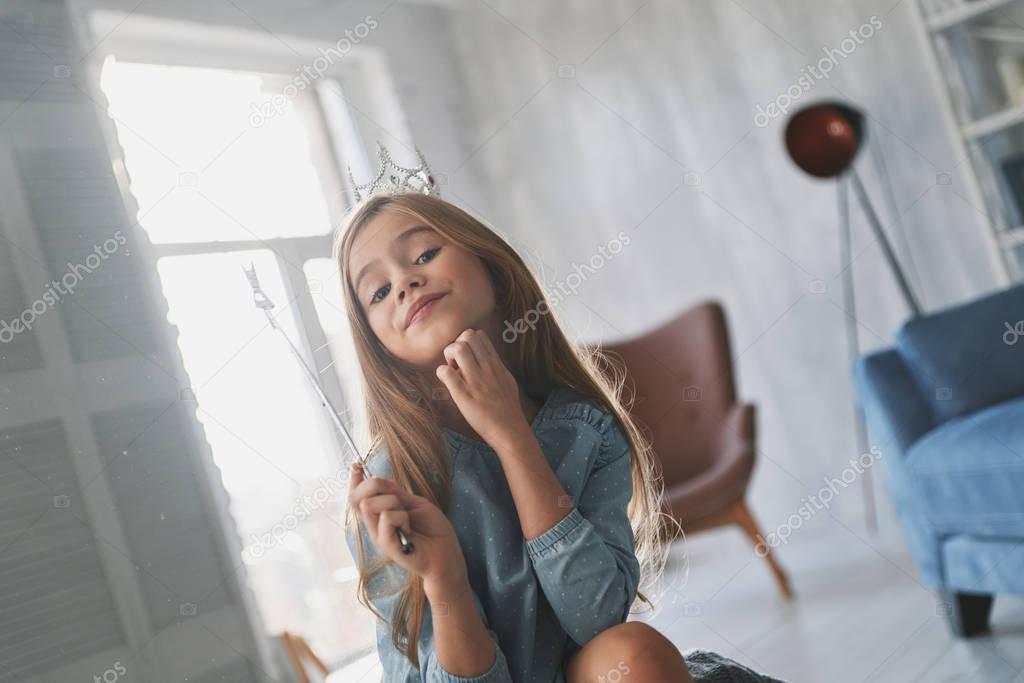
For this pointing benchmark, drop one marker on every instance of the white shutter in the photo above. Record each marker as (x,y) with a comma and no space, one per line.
(101,551)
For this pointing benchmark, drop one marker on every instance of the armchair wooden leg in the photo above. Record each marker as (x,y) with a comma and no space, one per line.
(296,648)
(742,516)
(291,649)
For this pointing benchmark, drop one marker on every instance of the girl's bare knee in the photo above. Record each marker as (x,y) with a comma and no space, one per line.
(645,646)
(632,638)
(630,651)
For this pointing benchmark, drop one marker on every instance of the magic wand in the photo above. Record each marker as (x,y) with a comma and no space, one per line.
(263,301)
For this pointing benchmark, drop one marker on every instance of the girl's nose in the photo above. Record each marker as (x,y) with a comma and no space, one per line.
(408,284)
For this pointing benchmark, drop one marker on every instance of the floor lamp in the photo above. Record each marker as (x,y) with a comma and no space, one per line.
(823,139)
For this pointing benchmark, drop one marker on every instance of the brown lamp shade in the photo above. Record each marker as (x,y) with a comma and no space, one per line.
(823,139)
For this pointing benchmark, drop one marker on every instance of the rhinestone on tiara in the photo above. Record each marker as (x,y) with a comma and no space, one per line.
(393,178)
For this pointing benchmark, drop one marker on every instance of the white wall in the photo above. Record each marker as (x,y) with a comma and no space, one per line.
(660,90)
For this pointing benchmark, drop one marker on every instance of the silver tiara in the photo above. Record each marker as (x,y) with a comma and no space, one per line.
(393,178)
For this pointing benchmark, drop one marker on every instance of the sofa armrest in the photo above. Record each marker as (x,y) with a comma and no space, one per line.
(894,409)
(897,416)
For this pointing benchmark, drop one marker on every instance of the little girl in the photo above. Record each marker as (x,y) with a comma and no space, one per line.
(504,454)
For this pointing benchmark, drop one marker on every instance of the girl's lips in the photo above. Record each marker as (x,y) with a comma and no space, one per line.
(425,310)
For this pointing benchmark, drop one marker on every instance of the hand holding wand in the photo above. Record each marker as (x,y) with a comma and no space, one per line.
(262,301)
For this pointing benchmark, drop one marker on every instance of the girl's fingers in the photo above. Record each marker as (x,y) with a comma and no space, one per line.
(462,353)
(378,504)
(362,487)
(381,505)
(483,351)
(387,522)
(363,490)
(355,477)
(454,382)
(409,501)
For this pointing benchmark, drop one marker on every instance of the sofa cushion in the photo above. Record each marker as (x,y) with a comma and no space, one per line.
(969,356)
(968,474)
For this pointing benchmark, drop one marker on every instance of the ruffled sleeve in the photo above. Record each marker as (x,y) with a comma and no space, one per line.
(586,563)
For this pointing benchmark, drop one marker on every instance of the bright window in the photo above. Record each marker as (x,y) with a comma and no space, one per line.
(204,164)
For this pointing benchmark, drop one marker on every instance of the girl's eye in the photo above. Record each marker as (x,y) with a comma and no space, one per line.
(373,299)
(432,252)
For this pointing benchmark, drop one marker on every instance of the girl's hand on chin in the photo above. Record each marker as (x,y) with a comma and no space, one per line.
(484,390)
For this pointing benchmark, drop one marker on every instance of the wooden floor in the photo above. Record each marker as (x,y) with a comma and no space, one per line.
(860,612)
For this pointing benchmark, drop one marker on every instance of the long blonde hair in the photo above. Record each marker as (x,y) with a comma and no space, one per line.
(402,418)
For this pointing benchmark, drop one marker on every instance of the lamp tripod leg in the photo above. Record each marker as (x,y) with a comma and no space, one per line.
(876,228)
(853,345)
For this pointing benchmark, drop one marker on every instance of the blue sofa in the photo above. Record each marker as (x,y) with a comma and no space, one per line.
(946,408)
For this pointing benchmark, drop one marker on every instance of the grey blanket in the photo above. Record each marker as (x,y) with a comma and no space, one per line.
(709,667)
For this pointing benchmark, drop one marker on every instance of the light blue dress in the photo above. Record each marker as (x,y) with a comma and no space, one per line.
(540,599)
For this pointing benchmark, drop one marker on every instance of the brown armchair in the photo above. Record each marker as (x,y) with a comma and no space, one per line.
(684,399)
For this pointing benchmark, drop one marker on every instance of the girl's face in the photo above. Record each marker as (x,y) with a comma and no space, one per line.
(396,262)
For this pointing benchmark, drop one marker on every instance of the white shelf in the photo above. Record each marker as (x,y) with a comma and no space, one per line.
(999,34)
(954,69)
(994,123)
(954,17)
(1014,237)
